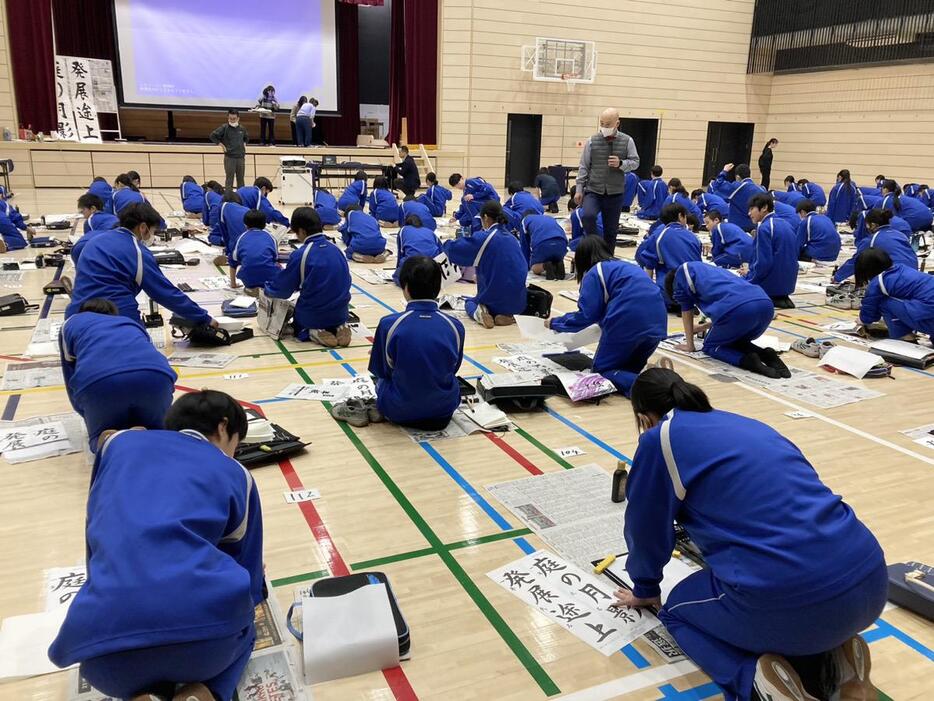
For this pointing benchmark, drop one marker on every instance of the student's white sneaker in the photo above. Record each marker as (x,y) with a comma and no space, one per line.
(353,411)
(483,317)
(322,337)
(777,680)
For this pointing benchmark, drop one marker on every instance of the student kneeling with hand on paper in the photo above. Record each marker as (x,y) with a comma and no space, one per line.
(793,576)
(175,568)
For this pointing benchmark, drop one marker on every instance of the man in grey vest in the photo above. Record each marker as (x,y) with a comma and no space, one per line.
(232,138)
(601,180)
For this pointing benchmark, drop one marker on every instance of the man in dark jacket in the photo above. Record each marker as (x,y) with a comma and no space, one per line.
(408,171)
(233,139)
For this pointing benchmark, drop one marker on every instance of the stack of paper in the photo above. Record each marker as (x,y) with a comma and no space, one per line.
(851,361)
(534,327)
(24,643)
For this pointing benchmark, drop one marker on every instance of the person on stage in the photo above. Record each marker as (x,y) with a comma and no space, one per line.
(233,139)
(267,122)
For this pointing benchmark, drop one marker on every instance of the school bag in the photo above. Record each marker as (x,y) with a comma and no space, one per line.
(538,302)
(11,305)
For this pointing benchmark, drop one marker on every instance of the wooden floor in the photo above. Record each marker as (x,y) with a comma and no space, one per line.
(413,512)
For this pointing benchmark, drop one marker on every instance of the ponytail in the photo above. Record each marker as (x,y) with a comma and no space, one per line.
(659,390)
(896,191)
(494,210)
(675,184)
(879,217)
(413,220)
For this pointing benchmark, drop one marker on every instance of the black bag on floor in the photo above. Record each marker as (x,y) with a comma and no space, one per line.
(204,335)
(538,302)
(11,305)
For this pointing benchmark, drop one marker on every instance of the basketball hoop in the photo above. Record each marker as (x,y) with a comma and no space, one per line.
(566,79)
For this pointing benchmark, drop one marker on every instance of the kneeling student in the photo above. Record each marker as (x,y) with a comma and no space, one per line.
(136,391)
(520,201)
(255,256)
(95,218)
(383,205)
(361,235)
(818,238)
(884,236)
(668,246)
(791,571)
(774,265)
(355,193)
(738,311)
(318,271)
(626,304)
(192,196)
(577,223)
(544,245)
(175,560)
(902,296)
(501,269)
(730,246)
(326,206)
(415,240)
(415,358)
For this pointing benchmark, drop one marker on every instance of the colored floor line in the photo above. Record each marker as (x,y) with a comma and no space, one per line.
(546,450)
(525,657)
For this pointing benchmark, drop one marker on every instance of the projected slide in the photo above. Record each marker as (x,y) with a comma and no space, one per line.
(222,53)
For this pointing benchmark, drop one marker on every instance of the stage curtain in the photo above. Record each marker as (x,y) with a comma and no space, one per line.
(397,71)
(84,29)
(421,70)
(413,71)
(343,130)
(372,3)
(29,25)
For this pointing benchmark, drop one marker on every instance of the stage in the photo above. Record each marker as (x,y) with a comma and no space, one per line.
(63,164)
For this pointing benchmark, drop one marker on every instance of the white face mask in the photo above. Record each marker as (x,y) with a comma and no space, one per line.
(148,239)
(608,131)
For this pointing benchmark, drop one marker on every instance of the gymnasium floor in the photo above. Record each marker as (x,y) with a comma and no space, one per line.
(420,512)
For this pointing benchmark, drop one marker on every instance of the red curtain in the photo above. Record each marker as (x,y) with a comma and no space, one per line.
(29,25)
(421,70)
(373,3)
(343,130)
(84,29)
(413,71)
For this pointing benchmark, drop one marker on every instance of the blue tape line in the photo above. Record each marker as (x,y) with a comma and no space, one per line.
(635,657)
(704,691)
(885,630)
(271,401)
(589,436)
(12,403)
(347,366)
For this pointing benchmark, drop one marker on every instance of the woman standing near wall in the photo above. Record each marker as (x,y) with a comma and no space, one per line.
(765,162)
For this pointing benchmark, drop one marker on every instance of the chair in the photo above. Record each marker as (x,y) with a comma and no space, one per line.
(6,167)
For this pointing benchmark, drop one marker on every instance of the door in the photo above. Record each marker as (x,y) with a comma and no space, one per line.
(727,142)
(523,147)
(645,133)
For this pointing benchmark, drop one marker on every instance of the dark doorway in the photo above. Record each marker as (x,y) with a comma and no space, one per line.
(523,147)
(727,142)
(645,133)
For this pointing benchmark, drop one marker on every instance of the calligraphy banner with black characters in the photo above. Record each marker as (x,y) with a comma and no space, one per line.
(76,96)
(575,600)
(67,129)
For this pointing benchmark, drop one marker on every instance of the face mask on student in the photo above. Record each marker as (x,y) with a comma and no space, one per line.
(608,131)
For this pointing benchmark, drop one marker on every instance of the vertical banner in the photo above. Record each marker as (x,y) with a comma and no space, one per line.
(67,130)
(102,81)
(82,99)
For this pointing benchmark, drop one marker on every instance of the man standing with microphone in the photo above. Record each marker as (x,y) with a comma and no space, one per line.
(601,179)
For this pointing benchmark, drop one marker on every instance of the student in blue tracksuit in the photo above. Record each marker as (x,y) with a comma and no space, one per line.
(520,201)
(730,246)
(902,296)
(14,231)
(544,245)
(739,313)
(318,271)
(790,184)
(254,258)
(475,192)
(577,223)
(925,196)
(813,192)
(420,210)
(78,247)
(787,214)
(875,191)
(501,269)
(549,191)
(677,194)
(435,197)
(192,196)
(230,221)
(136,391)
(791,571)
(738,193)
(629,308)
(257,197)
(355,193)
(382,202)
(630,190)
(100,187)
(671,245)
(361,235)
(908,208)
(415,240)
(125,193)
(911,190)
(774,264)
(652,195)
(789,197)
(858,225)
(881,235)
(174,535)
(707,201)
(842,200)
(416,354)
(117,265)
(818,238)
(213,195)
(326,206)
(91,208)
